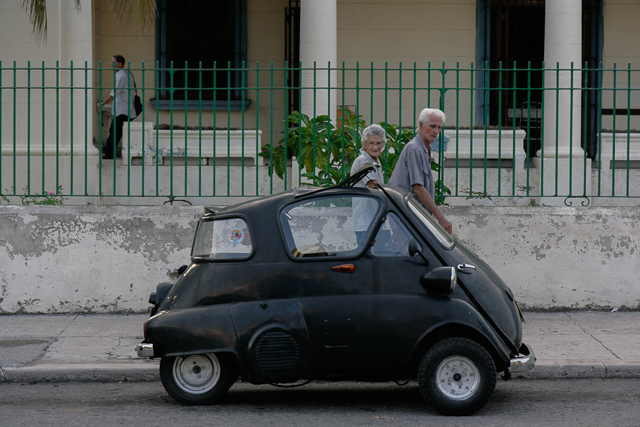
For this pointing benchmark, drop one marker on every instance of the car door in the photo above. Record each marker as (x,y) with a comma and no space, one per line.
(405,310)
(321,239)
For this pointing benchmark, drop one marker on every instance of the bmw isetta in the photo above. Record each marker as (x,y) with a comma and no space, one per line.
(335,284)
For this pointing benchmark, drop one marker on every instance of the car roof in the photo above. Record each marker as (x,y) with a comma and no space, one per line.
(275,201)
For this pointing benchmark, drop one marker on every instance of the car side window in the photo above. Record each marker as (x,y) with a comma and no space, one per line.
(228,238)
(392,238)
(329,226)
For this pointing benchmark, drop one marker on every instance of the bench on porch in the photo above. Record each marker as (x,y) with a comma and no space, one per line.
(142,144)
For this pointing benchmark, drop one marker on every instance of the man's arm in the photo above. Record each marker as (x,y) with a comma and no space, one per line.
(106,101)
(427,201)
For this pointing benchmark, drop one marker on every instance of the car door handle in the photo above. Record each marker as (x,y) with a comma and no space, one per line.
(463,267)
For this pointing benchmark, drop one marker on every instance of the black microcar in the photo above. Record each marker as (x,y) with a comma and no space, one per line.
(334,284)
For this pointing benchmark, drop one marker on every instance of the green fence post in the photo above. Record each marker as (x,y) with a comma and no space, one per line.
(257,158)
(144,133)
(70,130)
(200,130)
(1,140)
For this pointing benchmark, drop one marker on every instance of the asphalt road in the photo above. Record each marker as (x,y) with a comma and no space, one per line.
(519,402)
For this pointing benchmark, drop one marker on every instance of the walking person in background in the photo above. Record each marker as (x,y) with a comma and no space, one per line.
(413,169)
(123,106)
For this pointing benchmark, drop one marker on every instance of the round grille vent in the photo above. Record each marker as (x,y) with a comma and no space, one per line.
(276,351)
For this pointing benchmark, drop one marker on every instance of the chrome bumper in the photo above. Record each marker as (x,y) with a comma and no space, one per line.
(144,350)
(524,362)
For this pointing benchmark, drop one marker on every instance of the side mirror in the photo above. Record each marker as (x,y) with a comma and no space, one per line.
(440,281)
(414,248)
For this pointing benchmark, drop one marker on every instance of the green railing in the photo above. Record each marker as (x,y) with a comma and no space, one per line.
(514,134)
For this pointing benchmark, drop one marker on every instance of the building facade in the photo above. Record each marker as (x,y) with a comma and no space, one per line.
(383,60)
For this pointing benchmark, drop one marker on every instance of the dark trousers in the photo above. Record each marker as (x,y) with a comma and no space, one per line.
(109,148)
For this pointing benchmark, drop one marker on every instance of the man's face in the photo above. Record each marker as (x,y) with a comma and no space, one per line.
(115,63)
(430,131)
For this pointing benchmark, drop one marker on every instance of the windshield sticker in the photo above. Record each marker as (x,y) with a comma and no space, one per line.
(235,236)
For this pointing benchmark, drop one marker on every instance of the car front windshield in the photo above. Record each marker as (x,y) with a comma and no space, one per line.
(444,238)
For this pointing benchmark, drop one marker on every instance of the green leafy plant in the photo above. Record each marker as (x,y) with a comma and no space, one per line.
(479,195)
(442,191)
(326,152)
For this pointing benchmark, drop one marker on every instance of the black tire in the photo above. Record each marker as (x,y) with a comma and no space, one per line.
(458,376)
(198,379)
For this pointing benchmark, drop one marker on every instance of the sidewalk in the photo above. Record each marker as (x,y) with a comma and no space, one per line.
(56,348)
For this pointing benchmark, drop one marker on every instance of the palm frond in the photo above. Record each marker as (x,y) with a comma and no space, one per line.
(37,10)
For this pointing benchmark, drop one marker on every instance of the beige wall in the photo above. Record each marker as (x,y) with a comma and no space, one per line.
(19,47)
(16,38)
(366,34)
(621,49)
(265,43)
(406,31)
(414,34)
(378,31)
(47,119)
(621,31)
(111,38)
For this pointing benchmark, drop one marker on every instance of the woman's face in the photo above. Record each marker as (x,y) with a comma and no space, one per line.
(374,146)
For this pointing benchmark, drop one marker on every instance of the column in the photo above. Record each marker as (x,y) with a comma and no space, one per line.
(76,44)
(77,113)
(319,44)
(560,162)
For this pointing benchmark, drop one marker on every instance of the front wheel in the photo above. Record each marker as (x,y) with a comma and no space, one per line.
(458,375)
(198,379)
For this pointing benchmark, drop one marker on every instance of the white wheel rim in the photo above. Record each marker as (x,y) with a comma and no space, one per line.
(198,373)
(457,377)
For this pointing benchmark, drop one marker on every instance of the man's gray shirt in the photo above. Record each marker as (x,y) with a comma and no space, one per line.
(414,167)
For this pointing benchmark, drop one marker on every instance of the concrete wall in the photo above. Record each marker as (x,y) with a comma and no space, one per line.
(88,259)
(108,259)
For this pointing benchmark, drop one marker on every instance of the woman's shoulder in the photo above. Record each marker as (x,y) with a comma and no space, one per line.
(359,161)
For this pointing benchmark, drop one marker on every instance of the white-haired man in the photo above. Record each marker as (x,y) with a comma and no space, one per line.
(413,169)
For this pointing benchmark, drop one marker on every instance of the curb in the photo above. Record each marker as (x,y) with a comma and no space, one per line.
(128,372)
(574,370)
(86,372)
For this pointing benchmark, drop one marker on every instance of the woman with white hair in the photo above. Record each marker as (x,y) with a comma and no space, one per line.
(374,139)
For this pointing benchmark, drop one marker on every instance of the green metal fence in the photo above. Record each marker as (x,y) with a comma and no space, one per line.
(514,135)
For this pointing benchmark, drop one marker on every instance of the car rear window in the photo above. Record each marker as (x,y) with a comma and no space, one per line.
(222,239)
(329,226)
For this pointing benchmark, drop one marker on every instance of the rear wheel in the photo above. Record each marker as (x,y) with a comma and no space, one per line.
(458,376)
(198,379)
